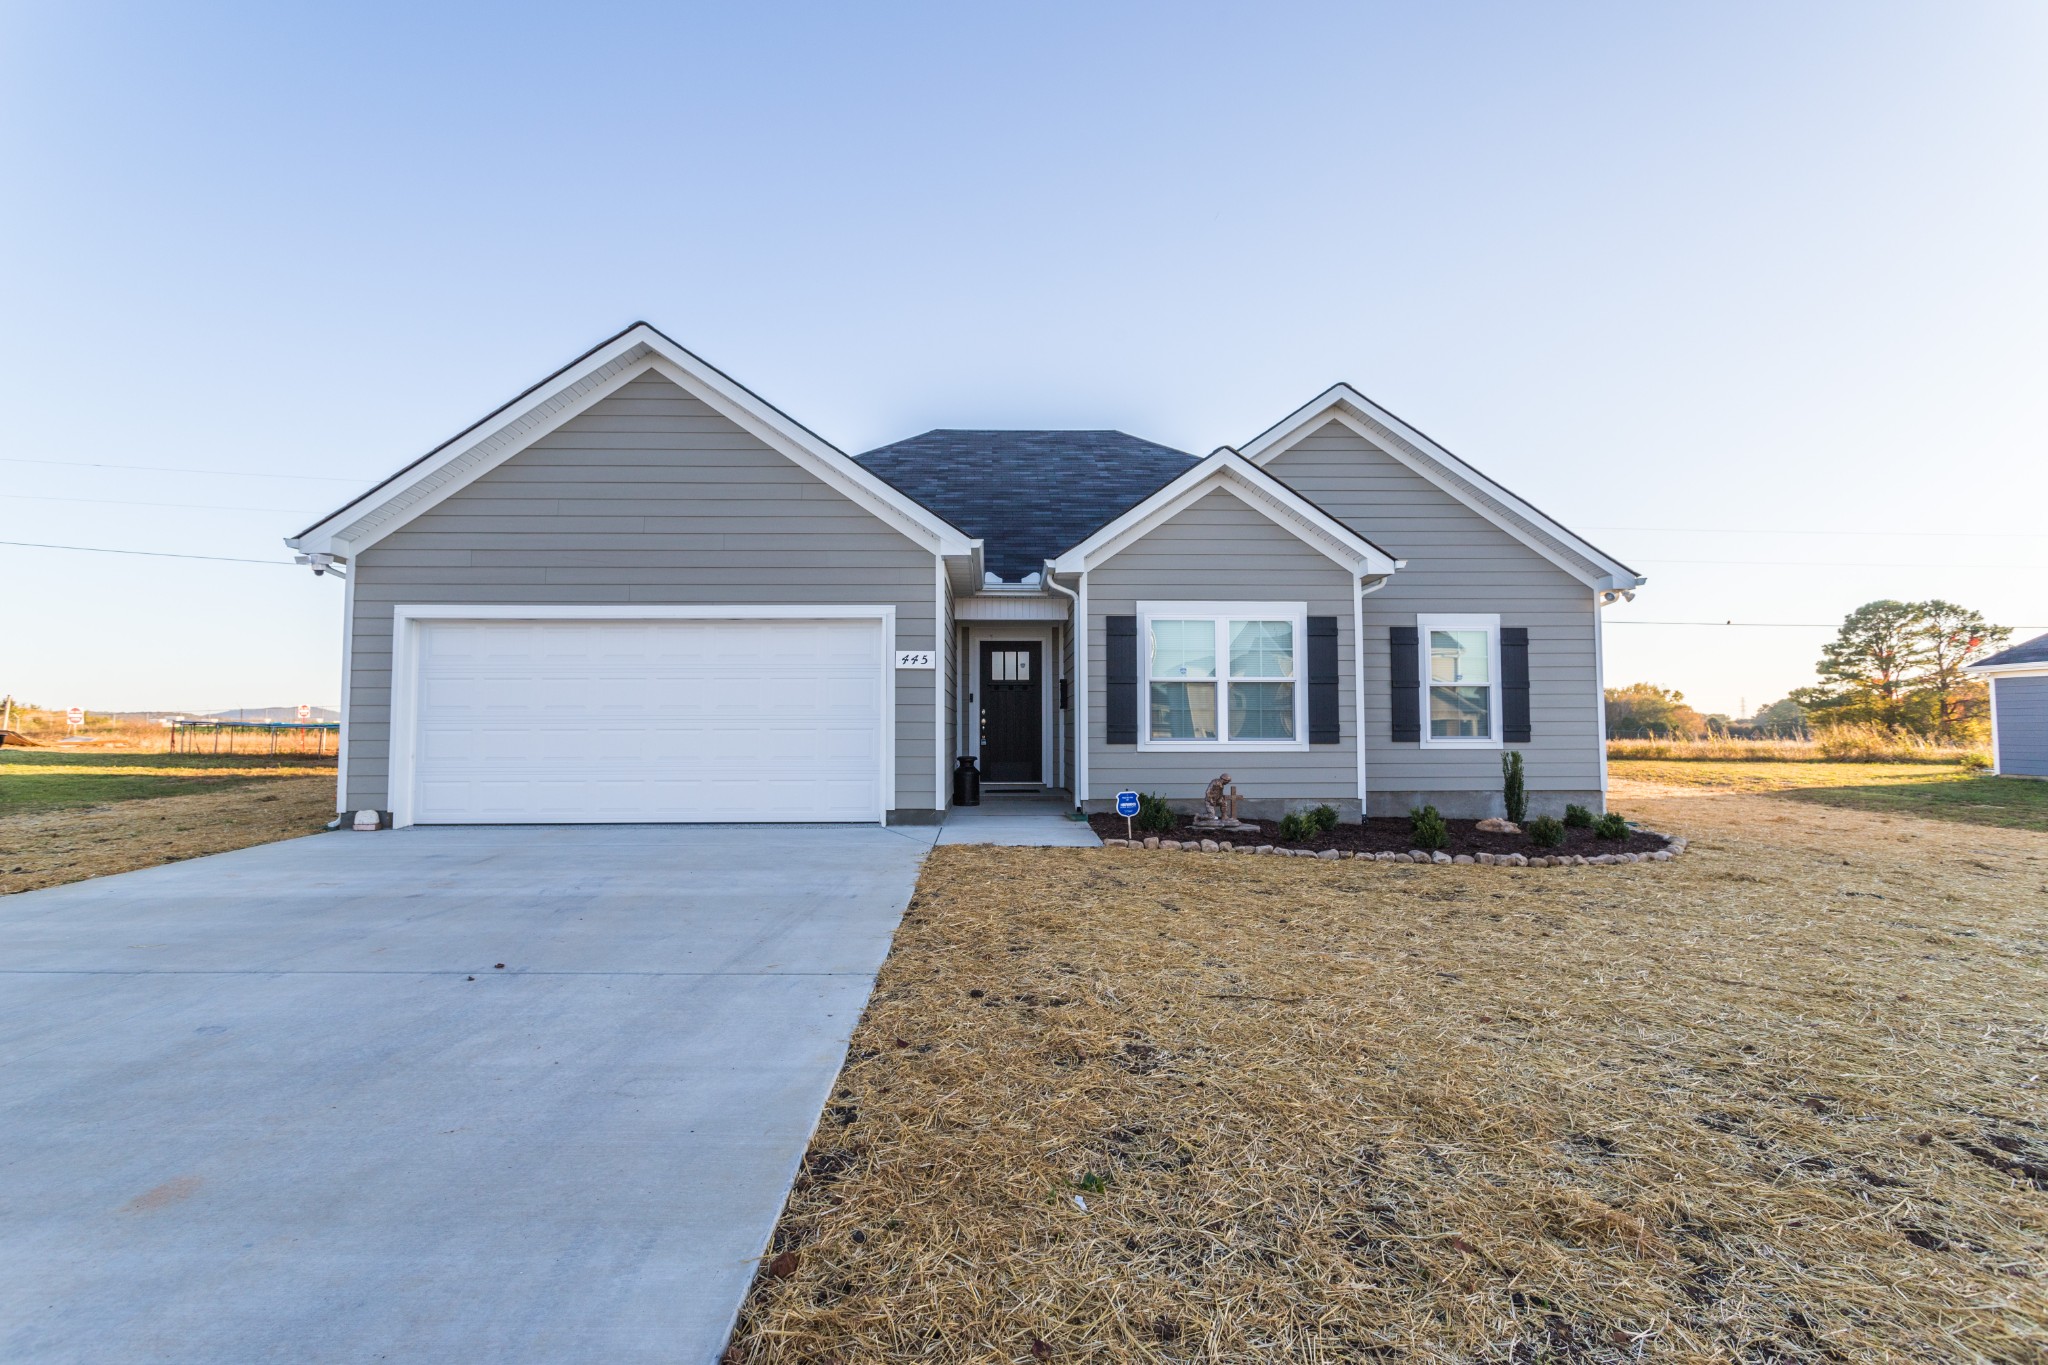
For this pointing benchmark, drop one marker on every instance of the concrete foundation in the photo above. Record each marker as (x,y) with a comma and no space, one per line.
(1480,805)
(1250,807)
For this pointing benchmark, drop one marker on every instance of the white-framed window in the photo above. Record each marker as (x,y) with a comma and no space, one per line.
(1222,674)
(1460,681)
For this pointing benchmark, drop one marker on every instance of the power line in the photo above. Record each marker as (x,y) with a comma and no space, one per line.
(140,502)
(1759,625)
(1759,531)
(1836,564)
(170,469)
(153,554)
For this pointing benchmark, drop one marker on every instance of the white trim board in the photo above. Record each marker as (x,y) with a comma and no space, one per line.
(348,678)
(407,618)
(1425,622)
(1384,431)
(1045,636)
(596,375)
(1227,471)
(1997,756)
(941,792)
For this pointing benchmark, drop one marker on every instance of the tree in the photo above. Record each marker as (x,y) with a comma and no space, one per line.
(1866,671)
(1644,710)
(1899,665)
(1780,720)
(1952,638)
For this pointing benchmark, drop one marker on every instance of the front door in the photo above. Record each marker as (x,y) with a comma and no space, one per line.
(1012,712)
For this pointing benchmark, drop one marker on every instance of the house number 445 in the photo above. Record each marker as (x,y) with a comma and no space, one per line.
(916,658)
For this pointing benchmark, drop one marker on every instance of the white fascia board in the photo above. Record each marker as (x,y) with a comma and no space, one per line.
(602,372)
(1228,472)
(2026,670)
(1342,403)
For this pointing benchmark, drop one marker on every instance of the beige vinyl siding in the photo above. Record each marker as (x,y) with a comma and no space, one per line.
(1458,561)
(648,497)
(1219,550)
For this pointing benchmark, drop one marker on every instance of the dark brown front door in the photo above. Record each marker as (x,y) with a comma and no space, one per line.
(1012,712)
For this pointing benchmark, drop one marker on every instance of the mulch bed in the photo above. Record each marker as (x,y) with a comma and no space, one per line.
(1393,835)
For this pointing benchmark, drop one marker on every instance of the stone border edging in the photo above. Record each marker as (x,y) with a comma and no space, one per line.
(1674,844)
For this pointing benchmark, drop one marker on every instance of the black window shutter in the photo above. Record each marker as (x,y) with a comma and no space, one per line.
(1120,641)
(1322,680)
(1514,684)
(1405,681)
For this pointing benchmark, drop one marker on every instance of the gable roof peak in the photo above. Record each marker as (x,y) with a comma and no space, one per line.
(640,348)
(1411,446)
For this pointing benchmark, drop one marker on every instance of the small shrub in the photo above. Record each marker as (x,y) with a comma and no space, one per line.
(1976,762)
(1546,831)
(1513,793)
(1611,826)
(1426,826)
(1154,815)
(1577,817)
(1325,817)
(1296,826)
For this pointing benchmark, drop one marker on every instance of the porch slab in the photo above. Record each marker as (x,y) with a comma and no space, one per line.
(1020,819)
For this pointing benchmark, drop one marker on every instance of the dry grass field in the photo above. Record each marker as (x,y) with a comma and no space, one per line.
(1952,792)
(67,816)
(1778,1100)
(1837,744)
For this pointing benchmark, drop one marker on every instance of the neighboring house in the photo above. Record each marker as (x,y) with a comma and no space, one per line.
(638,592)
(2019,708)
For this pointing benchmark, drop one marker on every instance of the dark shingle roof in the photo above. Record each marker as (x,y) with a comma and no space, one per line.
(2034,651)
(1027,494)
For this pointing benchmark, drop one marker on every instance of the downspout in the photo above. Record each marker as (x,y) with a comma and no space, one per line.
(1079,724)
(1359,589)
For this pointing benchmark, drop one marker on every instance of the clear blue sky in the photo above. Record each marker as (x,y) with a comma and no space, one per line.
(1756,296)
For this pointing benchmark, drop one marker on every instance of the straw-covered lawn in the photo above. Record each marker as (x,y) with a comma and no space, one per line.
(1778,1100)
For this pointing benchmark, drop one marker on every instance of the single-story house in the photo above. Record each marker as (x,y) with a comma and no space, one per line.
(2019,708)
(640,592)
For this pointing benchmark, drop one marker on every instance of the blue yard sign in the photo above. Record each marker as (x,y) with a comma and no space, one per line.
(1127,806)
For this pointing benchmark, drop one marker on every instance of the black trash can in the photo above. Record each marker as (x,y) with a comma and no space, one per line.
(966,783)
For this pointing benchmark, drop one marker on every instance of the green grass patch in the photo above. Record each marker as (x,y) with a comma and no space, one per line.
(1945,792)
(53,779)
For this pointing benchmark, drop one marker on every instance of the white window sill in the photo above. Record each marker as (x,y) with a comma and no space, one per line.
(1212,746)
(1462,744)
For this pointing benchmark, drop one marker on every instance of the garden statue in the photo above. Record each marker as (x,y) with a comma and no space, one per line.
(1221,801)
(1214,798)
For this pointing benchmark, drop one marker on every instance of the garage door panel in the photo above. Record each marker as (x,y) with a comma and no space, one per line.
(649,721)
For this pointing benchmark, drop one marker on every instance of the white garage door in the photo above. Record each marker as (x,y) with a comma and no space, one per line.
(622,721)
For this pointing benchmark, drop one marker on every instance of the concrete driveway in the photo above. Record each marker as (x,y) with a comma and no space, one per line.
(282,1104)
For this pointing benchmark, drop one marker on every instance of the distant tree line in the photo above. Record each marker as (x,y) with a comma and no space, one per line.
(1895,665)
